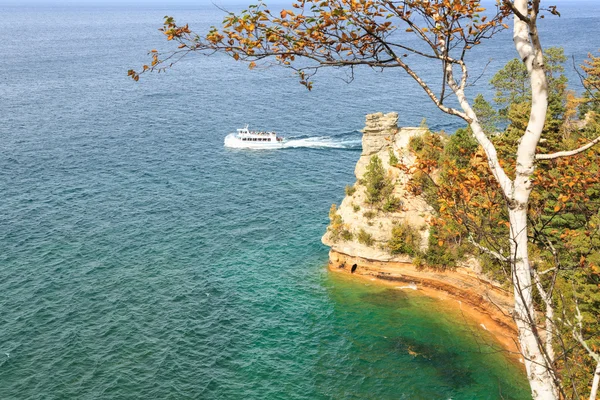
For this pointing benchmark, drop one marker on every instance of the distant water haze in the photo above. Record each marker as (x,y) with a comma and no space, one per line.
(200,3)
(140,258)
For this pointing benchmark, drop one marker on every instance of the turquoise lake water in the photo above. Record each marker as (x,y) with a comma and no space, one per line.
(142,259)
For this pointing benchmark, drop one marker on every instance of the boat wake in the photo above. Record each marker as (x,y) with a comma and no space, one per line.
(323,142)
(344,141)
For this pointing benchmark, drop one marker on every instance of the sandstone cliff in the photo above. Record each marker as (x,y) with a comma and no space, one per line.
(381,138)
(490,305)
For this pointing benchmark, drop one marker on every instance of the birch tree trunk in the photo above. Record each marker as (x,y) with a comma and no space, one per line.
(538,371)
(595,382)
(529,48)
(517,192)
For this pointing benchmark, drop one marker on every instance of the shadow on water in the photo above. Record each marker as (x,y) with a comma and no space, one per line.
(398,341)
(446,363)
(390,298)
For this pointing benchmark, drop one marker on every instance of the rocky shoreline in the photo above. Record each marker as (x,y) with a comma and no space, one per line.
(487,304)
(479,298)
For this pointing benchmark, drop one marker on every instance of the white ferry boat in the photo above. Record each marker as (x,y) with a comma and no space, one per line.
(247,139)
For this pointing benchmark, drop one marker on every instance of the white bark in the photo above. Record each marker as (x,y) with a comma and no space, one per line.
(595,382)
(529,48)
(547,298)
(517,193)
(536,365)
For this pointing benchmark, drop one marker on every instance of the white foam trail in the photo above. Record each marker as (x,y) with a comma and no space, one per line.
(411,286)
(311,142)
(321,142)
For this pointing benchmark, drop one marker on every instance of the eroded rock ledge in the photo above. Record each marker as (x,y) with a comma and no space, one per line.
(487,304)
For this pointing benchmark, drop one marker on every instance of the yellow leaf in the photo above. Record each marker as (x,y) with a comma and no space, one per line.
(440,242)
(557,208)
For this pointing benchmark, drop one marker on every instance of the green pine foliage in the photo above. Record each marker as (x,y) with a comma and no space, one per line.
(365,238)
(378,185)
(370,214)
(350,190)
(405,239)
(393,159)
(337,229)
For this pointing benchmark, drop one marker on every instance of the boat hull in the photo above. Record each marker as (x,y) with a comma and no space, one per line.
(234,142)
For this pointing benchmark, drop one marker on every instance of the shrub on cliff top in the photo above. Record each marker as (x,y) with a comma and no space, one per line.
(336,227)
(428,146)
(392,204)
(365,238)
(440,254)
(378,184)
(369,214)
(393,159)
(405,240)
(350,190)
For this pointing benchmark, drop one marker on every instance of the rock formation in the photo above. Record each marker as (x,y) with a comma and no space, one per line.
(381,138)
(489,304)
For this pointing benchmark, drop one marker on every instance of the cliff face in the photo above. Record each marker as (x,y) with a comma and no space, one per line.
(489,304)
(381,138)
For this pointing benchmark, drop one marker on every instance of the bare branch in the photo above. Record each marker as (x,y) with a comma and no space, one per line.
(484,249)
(567,153)
(516,11)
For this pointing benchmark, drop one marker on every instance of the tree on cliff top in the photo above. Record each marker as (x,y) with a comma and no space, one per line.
(348,33)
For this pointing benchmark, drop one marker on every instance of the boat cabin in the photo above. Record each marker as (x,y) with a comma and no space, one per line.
(254,136)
